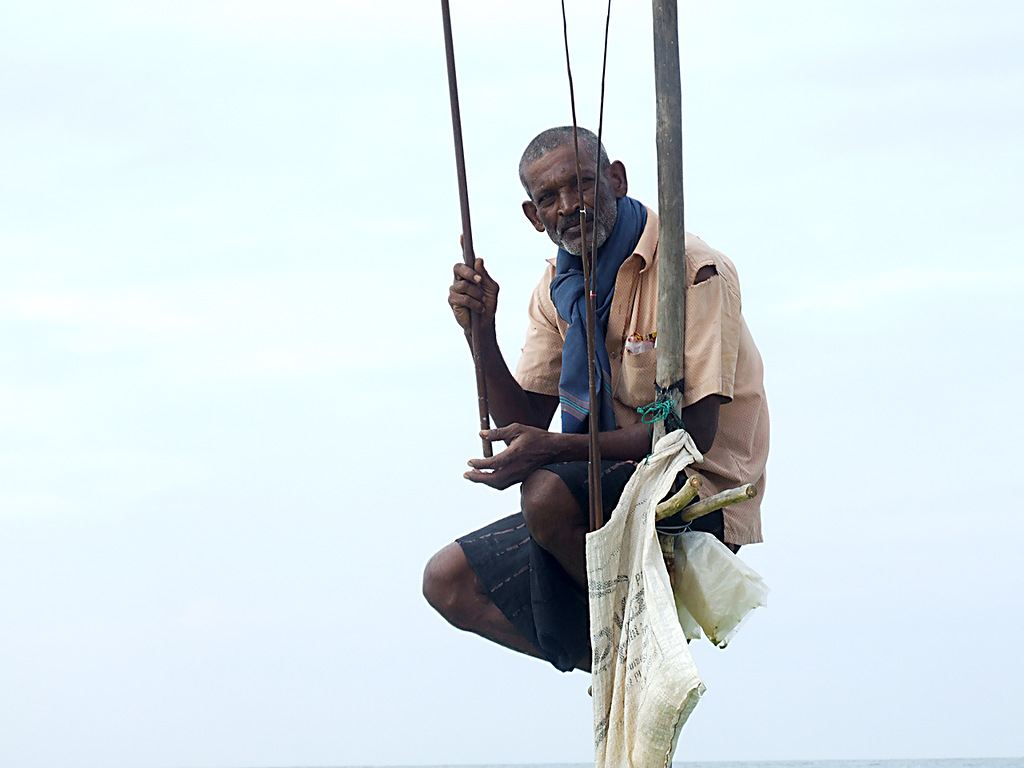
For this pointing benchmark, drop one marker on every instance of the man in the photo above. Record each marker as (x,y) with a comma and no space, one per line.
(521,581)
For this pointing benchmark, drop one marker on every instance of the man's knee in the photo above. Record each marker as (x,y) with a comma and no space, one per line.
(450,586)
(551,511)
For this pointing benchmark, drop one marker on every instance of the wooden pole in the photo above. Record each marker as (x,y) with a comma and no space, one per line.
(468,254)
(671,232)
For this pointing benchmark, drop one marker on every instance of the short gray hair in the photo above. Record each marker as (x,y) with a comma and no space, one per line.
(553,138)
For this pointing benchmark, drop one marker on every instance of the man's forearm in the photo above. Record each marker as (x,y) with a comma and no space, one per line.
(633,443)
(531,447)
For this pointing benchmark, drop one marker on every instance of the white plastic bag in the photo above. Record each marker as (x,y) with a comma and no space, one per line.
(713,588)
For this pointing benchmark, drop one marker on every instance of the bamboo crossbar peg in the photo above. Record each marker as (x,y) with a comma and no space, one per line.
(719,500)
(682,497)
(668,551)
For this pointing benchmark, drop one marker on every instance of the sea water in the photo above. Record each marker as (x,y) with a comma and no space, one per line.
(966,762)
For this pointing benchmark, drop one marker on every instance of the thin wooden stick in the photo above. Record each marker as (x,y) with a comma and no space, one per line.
(596,496)
(596,501)
(719,500)
(684,496)
(467,232)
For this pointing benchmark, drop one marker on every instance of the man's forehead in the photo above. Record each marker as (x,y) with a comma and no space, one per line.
(567,146)
(562,154)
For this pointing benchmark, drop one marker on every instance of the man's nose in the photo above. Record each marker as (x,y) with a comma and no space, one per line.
(568,202)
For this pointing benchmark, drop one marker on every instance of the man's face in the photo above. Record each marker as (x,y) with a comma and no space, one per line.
(554,205)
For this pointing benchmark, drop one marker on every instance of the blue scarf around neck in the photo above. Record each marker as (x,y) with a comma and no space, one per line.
(567,294)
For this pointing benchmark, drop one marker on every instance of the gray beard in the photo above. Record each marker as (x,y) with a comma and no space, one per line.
(603,226)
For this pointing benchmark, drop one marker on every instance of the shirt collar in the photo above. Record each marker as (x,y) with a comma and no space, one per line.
(647,248)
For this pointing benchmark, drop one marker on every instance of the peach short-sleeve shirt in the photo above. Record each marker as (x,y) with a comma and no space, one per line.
(721,359)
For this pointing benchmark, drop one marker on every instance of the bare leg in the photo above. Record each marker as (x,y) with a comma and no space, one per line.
(455,591)
(556,522)
(559,525)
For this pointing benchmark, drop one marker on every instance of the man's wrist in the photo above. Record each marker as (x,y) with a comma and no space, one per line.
(488,332)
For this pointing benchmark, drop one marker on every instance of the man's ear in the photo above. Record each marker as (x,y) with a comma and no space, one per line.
(531,213)
(617,176)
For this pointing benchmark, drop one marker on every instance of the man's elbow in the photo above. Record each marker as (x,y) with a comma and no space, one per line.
(703,439)
(701,421)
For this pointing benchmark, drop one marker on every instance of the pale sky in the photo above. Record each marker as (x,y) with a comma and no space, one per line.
(235,410)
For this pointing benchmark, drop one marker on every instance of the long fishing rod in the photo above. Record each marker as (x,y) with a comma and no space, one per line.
(596,500)
(468,255)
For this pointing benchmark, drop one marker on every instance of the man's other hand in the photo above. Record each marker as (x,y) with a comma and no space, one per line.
(473,291)
(528,449)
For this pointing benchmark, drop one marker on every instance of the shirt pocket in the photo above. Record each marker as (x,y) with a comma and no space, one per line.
(636,378)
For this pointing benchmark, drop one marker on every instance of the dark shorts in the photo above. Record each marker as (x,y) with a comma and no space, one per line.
(528,585)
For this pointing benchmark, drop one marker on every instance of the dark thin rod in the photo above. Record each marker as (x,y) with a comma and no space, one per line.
(598,501)
(596,506)
(467,232)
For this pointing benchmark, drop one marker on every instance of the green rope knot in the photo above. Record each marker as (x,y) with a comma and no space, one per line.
(656,411)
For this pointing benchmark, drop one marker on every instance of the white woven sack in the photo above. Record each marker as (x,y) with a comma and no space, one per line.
(645,683)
